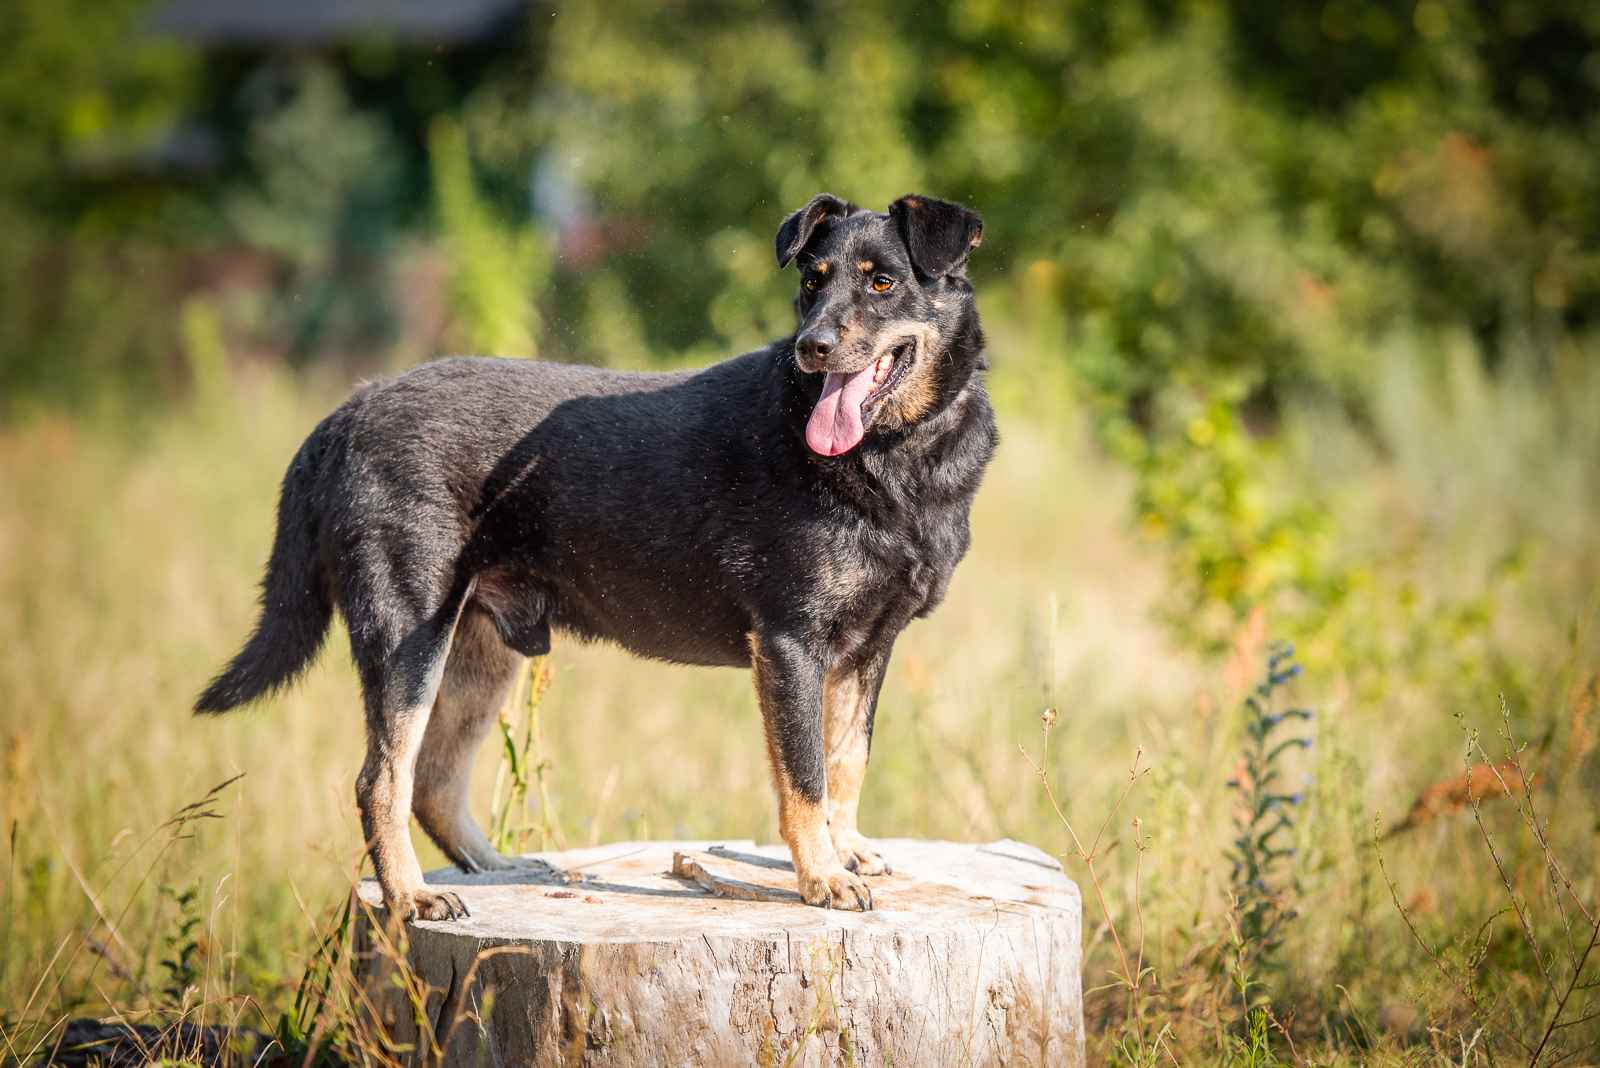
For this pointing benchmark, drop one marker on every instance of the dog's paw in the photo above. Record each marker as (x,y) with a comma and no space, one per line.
(859,855)
(835,888)
(440,905)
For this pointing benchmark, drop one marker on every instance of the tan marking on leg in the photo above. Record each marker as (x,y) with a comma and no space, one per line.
(479,676)
(385,789)
(384,792)
(803,823)
(845,704)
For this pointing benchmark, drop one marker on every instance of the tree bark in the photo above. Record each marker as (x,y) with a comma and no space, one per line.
(972,956)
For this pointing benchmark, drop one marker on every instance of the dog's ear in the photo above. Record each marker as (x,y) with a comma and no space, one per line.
(797,228)
(938,234)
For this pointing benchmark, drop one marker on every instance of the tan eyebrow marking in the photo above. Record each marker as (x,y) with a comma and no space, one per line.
(823,266)
(864,266)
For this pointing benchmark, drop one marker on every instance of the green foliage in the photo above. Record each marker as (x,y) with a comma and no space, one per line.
(1133,1049)
(182,962)
(1254,1048)
(1207,211)
(78,85)
(497,271)
(524,766)
(73,333)
(321,200)
(1318,279)
(1526,973)
(1233,539)
(298,1027)
(1234,212)
(76,78)
(1262,877)
(1227,219)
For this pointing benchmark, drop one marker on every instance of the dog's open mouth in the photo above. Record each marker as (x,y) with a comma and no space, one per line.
(839,421)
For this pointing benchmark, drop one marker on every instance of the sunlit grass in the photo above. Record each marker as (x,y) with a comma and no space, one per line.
(128,558)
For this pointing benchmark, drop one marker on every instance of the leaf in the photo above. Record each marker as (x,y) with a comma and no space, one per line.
(1449,796)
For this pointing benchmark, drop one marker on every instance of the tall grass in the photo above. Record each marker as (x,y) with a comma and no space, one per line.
(129,553)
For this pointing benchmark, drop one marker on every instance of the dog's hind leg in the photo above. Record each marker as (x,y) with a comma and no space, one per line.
(479,674)
(849,702)
(401,669)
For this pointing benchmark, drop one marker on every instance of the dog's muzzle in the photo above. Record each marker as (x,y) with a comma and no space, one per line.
(844,407)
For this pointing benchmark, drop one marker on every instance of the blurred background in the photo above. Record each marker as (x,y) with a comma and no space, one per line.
(1295,324)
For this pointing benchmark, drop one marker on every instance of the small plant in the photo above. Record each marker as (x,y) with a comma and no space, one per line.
(1262,880)
(175,1029)
(1137,1044)
(297,1030)
(1253,1049)
(1548,921)
(523,767)
(182,944)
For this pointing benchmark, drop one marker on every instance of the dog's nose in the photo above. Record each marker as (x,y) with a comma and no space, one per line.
(815,345)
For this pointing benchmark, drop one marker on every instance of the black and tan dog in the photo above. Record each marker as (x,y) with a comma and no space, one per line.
(789,510)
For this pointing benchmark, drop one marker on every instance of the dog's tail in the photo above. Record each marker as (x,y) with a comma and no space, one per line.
(296,599)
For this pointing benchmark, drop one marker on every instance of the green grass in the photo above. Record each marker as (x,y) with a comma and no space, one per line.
(129,554)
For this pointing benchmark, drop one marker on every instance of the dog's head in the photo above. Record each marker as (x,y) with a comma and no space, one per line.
(887,320)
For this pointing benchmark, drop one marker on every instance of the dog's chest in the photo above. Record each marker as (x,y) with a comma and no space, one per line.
(880,578)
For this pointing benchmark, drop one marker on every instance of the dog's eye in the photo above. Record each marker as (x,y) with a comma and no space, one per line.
(882,283)
(811,282)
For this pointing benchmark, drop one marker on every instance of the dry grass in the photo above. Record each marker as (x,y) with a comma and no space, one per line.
(127,563)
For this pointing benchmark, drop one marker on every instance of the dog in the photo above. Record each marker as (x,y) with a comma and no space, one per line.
(789,511)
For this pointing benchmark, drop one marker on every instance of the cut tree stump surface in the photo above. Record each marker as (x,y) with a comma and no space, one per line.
(604,956)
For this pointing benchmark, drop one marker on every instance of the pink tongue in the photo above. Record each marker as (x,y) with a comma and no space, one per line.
(835,423)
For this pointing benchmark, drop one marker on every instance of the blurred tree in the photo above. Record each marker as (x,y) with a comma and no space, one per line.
(325,182)
(1223,208)
(496,271)
(69,81)
(1208,210)
(70,85)
(1224,187)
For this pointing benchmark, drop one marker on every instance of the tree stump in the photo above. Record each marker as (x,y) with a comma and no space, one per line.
(672,953)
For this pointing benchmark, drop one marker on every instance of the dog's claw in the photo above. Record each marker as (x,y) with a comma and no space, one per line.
(446,905)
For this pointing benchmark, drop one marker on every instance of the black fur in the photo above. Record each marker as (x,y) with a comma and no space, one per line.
(939,235)
(799,227)
(681,516)
(296,604)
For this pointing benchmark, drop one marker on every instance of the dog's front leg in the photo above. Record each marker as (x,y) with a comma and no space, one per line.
(789,684)
(849,701)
